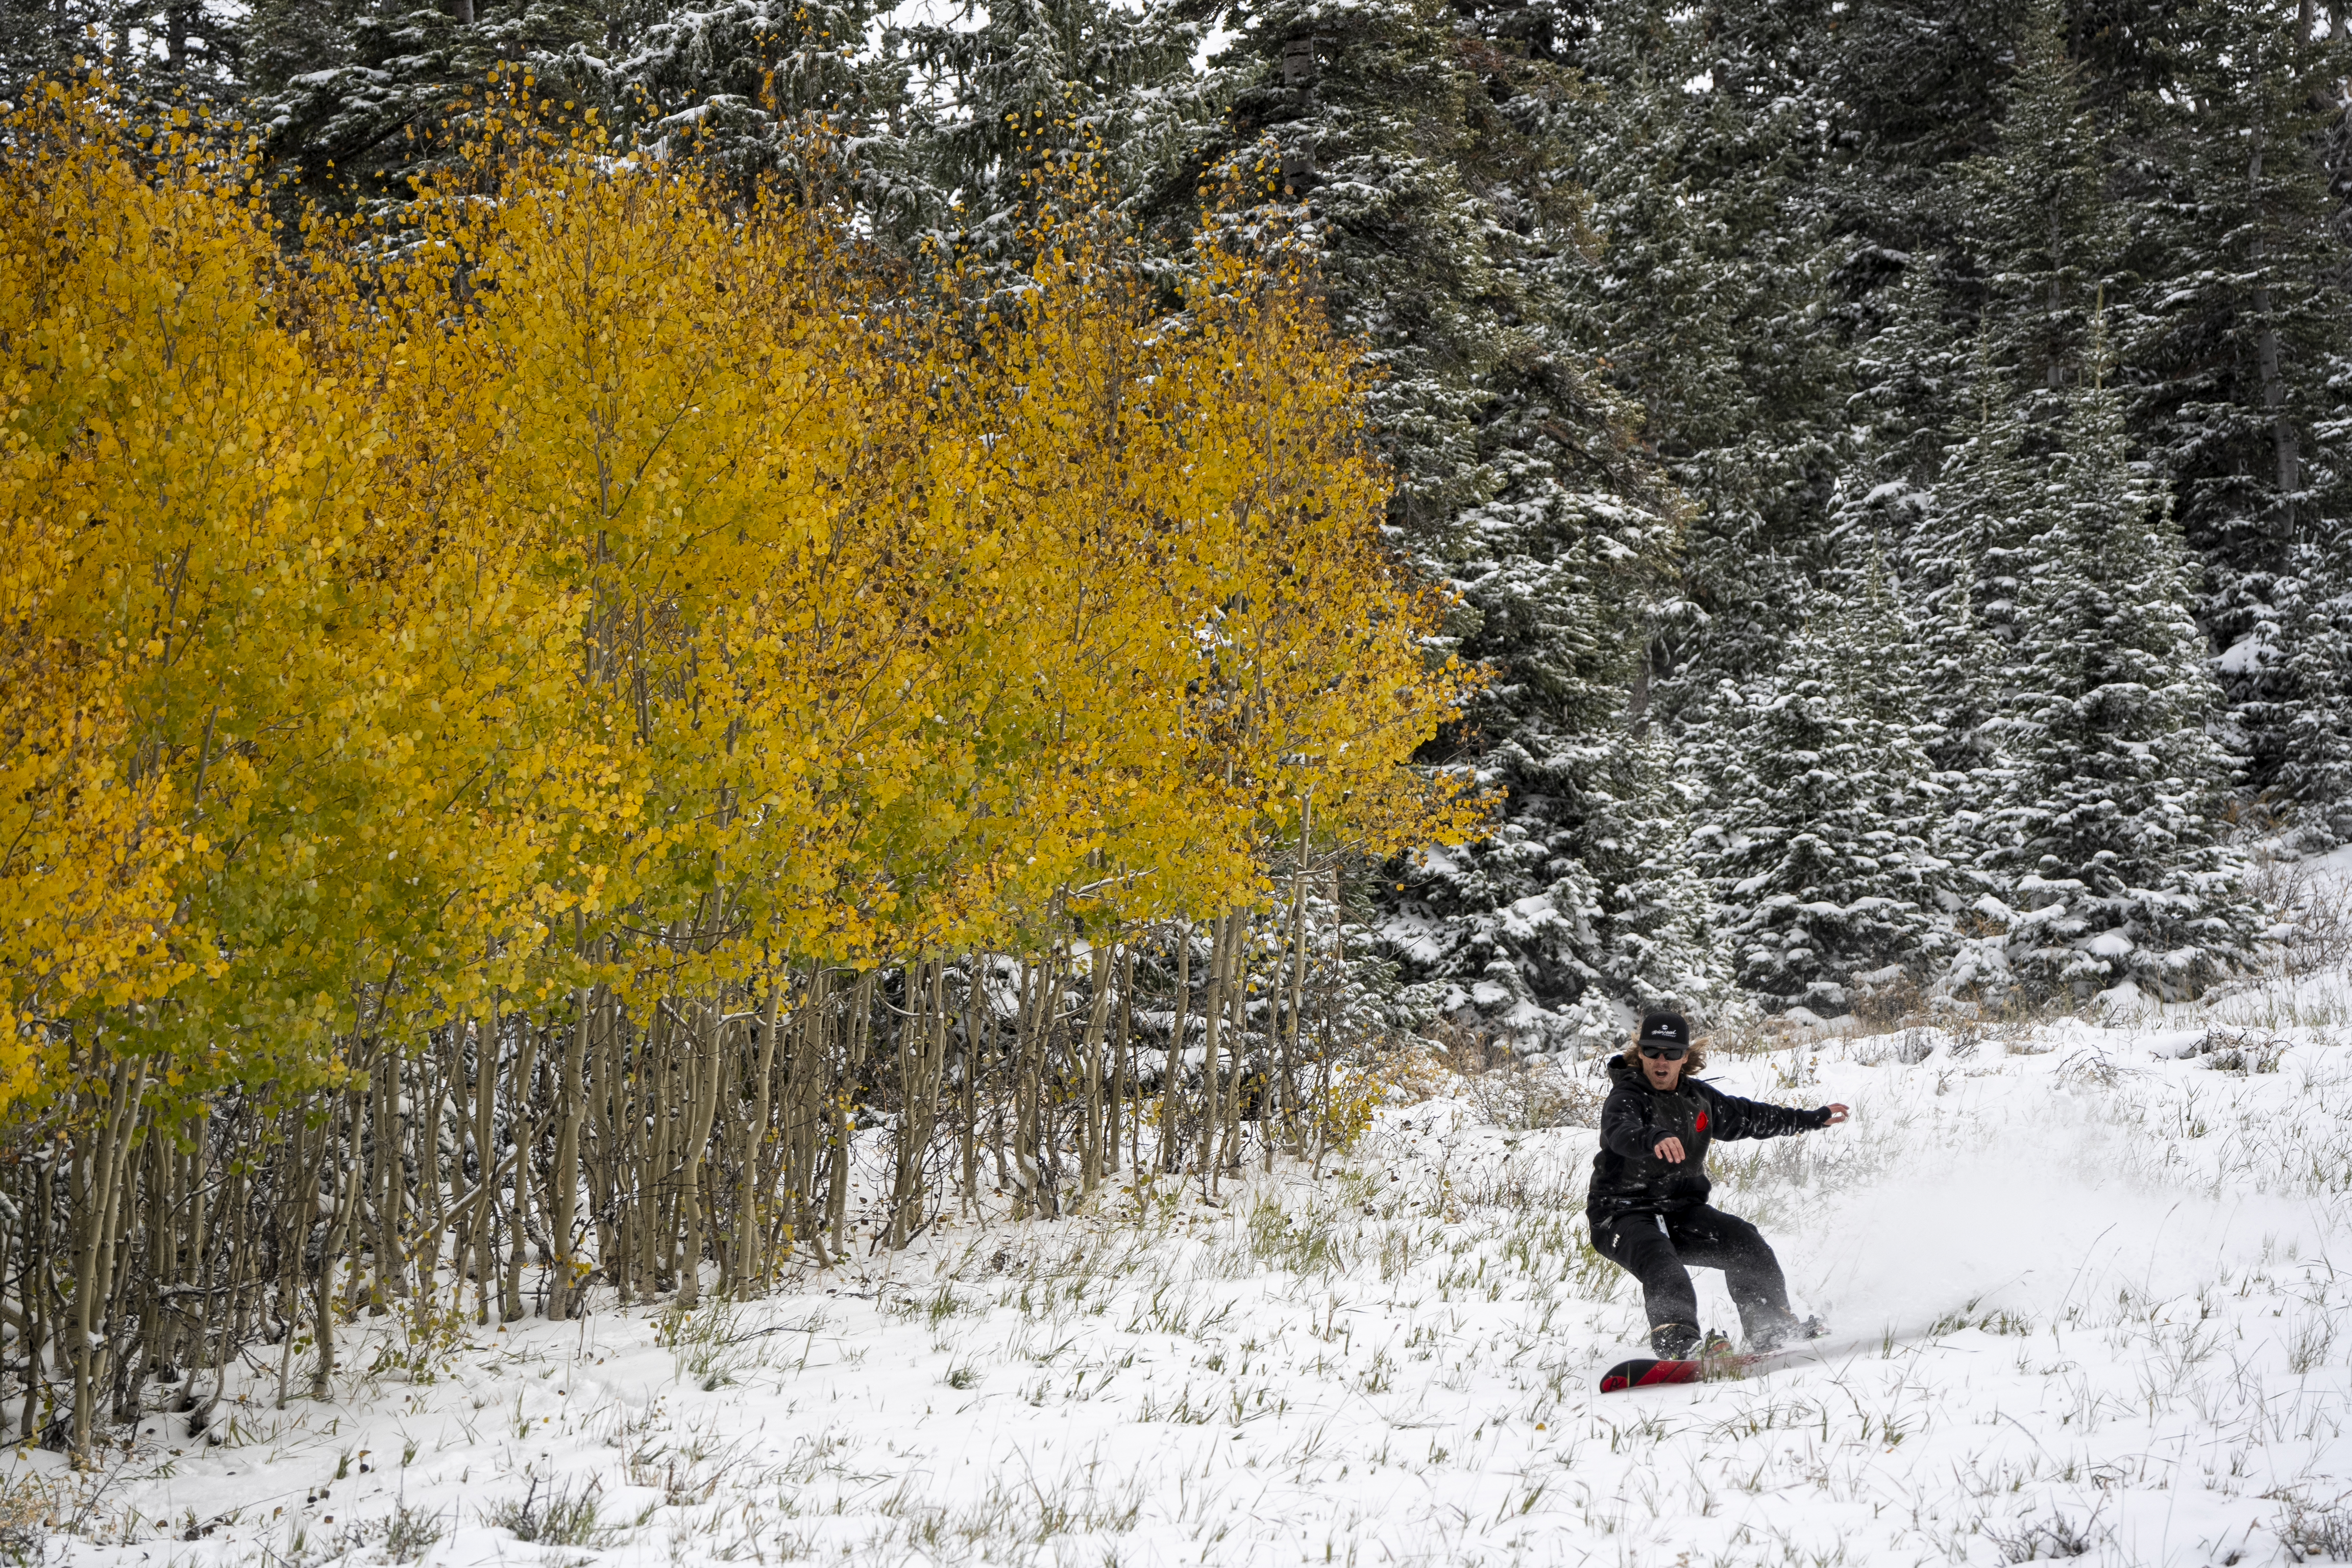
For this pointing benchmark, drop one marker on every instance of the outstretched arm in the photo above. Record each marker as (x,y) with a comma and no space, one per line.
(1737,1118)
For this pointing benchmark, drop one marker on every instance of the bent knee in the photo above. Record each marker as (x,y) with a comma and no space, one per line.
(1739,1235)
(1631,1243)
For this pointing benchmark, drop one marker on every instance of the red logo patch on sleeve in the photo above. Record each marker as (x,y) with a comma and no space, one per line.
(1702,1123)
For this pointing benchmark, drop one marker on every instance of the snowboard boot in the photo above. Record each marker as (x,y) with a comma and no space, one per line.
(1675,1341)
(1781,1332)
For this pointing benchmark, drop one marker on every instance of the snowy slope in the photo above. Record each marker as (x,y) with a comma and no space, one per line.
(2084,1285)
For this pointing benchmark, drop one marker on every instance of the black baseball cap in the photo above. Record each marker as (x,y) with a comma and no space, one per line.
(1664,1029)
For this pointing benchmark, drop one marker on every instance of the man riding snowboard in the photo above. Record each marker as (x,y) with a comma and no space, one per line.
(1648,1206)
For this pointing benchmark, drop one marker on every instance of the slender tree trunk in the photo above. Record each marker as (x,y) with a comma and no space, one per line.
(709,1062)
(1237,1046)
(976,1032)
(486,1073)
(1091,1122)
(571,1092)
(1173,1141)
(2285,446)
(1213,1017)
(861,1017)
(392,1073)
(521,1135)
(1123,1061)
(95,1218)
(1028,1113)
(341,1221)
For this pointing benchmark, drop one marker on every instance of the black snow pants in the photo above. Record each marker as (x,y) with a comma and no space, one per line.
(1661,1253)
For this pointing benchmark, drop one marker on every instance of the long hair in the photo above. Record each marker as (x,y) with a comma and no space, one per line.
(1693,1056)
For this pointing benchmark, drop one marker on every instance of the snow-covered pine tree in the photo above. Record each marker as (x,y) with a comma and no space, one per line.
(1944,517)
(1700,139)
(1937,485)
(2311,724)
(1661,927)
(1821,841)
(2041,237)
(1366,115)
(358,101)
(2243,335)
(1969,383)
(1427,162)
(1009,99)
(739,79)
(1965,557)
(156,53)
(1711,295)
(1912,371)
(2116,862)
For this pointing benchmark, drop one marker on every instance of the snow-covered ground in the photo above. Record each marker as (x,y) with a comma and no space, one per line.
(2084,1283)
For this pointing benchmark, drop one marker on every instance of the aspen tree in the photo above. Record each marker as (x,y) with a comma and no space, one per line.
(524,738)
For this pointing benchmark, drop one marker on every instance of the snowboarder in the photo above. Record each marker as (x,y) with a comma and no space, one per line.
(1648,1206)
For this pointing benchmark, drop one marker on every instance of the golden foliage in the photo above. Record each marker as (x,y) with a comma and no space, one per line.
(613,584)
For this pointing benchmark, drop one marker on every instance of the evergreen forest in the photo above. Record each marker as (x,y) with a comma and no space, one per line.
(617,610)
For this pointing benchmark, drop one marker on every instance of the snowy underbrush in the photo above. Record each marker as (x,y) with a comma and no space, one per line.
(2083,1283)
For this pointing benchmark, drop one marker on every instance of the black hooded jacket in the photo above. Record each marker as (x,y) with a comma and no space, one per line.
(1627,1178)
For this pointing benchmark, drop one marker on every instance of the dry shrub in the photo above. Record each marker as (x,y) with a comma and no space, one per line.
(2240,1050)
(2053,1538)
(1887,1000)
(1511,1092)
(1344,1110)
(28,1513)
(2316,910)
(1420,1071)
(1910,1046)
(2316,1530)
(1750,1036)
(1542,1092)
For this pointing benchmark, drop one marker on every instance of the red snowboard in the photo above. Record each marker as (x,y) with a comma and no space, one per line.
(1643,1373)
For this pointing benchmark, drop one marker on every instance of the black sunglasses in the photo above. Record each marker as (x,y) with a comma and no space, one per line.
(1665,1053)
